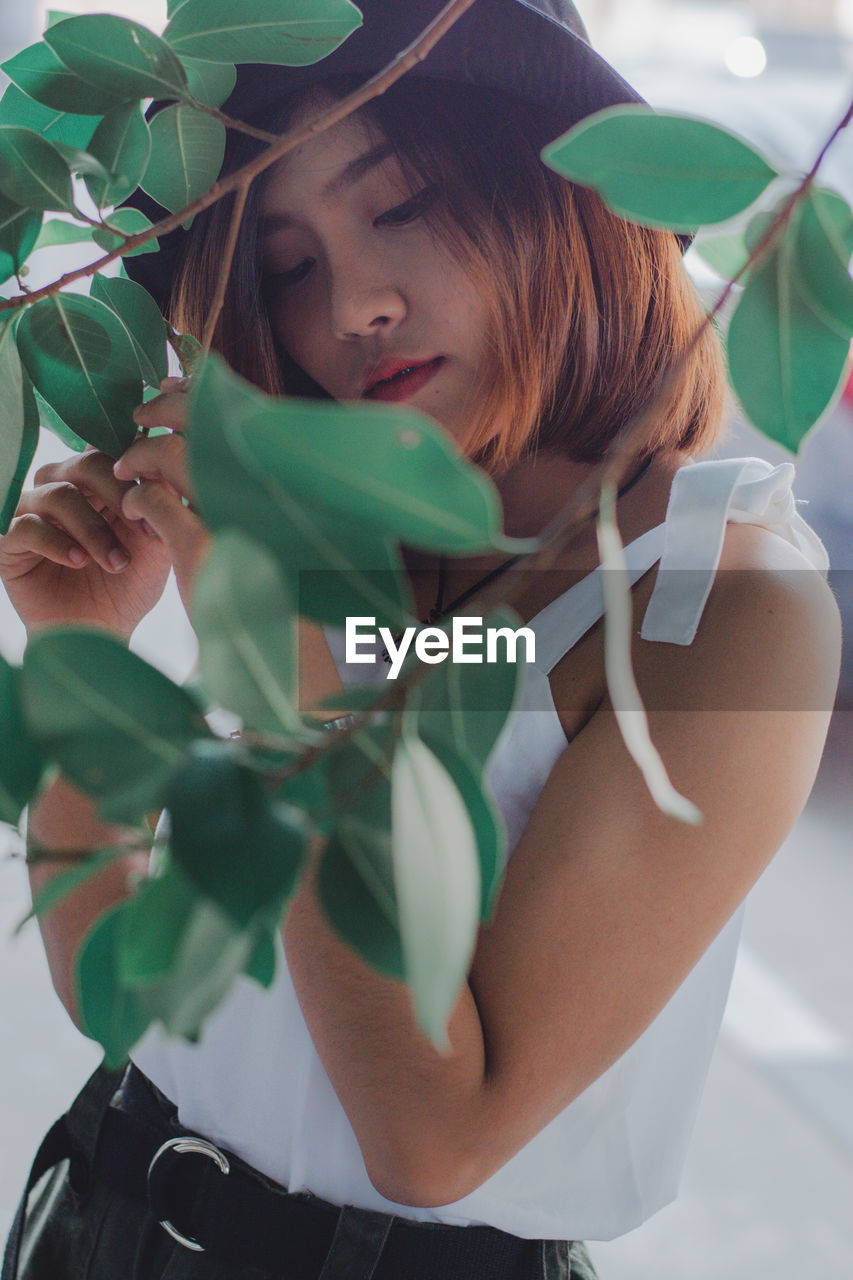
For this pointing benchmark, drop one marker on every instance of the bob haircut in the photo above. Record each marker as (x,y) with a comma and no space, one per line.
(586,310)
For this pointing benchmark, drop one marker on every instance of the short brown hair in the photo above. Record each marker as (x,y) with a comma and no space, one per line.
(586,310)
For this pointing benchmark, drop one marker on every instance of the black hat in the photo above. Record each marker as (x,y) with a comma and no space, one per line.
(537,50)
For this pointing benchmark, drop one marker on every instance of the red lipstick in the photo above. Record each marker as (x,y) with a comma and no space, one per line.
(398,379)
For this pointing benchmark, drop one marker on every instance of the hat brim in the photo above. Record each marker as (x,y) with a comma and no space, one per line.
(551,66)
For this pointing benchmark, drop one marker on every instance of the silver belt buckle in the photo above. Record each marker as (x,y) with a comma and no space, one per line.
(198,1146)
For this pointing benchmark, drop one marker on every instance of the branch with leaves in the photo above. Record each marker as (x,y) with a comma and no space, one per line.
(309,504)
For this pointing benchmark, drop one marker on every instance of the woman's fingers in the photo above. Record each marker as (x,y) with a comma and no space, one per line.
(63,506)
(156,458)
(184,536)
(30,540)
(90,472)
(166,410)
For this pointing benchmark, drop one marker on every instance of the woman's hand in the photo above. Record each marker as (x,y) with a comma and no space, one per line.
(158,463)
(70,558)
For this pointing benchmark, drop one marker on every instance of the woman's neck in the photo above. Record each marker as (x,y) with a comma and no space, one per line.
(532,494)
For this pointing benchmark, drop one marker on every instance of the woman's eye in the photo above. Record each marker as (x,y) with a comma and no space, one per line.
(293,276)
(396,217)
(407,212)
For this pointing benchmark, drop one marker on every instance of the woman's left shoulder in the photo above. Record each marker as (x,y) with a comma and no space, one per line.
(764,583)
(770,631)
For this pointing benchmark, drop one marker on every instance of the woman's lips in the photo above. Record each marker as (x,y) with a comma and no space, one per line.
(403,385)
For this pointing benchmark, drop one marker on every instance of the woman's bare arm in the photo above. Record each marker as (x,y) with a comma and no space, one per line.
(607,903)
(63,820)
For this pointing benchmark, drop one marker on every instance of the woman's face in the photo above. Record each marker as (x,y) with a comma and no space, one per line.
(356,283)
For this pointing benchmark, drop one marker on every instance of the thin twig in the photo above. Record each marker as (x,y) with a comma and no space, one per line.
(239,126)
(138,842)
(225,269)
(378,84)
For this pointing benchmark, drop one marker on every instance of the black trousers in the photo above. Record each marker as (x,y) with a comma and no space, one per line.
(72,1225)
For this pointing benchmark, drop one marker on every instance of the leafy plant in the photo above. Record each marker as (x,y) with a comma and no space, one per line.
(309,503)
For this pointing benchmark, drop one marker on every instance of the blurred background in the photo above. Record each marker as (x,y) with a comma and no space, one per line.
(768,1188)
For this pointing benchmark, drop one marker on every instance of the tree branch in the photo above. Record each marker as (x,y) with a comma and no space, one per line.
(237,125)
(225,270)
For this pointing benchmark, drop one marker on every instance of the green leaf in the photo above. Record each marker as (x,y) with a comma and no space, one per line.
(21,761)
(209,82)
(109,1013)
(187,150)
(18,431)
(122,143)
(334,488)
(355,879)
(357,898)
(56,15)
(49,420)
(118,728)
(160,911)
(307,790)
(485,817)
(661,169)
(130,222)
(392,470)
(359,572)
(437,878)
(243,614)
(243,849)
(262,962)
(180,953)
(81,162)
(83,362)
(188,350)
(33,172)
(19,229)
(727,255)
(785,364)
(55,231)
(759,226)
(467,704)
(823,248)
(118,56)
(141,317)
(39,73)
(66,882)
(290,32)
(57,126)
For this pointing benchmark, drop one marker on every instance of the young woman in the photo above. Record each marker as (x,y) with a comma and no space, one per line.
(420,252)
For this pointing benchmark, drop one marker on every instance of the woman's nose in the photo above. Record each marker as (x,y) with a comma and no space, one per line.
(362,307)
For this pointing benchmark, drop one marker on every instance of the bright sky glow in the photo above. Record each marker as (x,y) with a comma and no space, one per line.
(150,12)
(746,57)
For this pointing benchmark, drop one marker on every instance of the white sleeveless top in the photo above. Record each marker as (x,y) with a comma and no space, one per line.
(254,1083)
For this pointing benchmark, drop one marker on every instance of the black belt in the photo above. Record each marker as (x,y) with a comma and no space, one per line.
(209,1199)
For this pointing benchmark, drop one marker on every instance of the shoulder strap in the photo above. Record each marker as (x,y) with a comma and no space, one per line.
(704,497)
(563,622)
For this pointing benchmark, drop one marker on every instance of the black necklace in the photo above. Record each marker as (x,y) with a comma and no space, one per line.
(437,612)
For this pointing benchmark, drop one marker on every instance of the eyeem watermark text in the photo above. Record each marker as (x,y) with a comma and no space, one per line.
(469,641)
